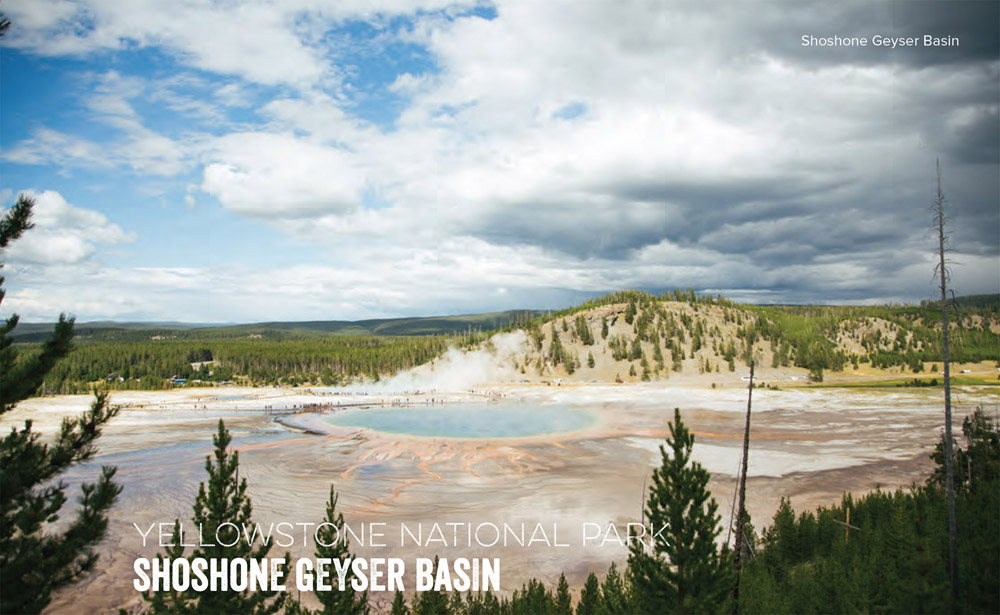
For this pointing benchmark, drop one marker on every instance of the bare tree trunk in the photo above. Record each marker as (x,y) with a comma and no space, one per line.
(740,515)
(948,453)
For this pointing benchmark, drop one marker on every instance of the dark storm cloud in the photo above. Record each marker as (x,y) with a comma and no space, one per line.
(831,208)
(973,23)
(978,140)
(700,208)
(805,239)
(629,216)
(581,231)
(972,193)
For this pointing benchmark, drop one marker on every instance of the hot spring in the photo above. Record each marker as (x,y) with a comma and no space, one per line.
(467,421)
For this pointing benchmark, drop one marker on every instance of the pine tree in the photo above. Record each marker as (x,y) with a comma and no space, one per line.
(590,596)
(583,331)
(432,601)
(564,602)
(337,602)
(399,604)
(614,594)
(684,573)
(484,603)
(532,599)
(35,561)
(222,501)
(557,353)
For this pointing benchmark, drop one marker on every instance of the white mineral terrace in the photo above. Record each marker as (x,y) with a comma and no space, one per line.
(569,456)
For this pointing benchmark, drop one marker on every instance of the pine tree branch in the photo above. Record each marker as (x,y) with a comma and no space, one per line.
(22,379)
(17,219)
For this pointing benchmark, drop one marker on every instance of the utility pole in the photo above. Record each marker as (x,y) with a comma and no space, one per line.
(942,272)
(741,512)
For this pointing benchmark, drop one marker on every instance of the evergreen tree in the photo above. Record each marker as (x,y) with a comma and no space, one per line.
(636,350)
(222,501)
(292,607)
(684,572)
(532,599)
(977,486)
(979,462)
(556,351)
(432,601)
(455,604)
(399,604)
(34,561)
(590,596)
(335,601)
(564,602)
(484,603)
(614,595)
(583,331)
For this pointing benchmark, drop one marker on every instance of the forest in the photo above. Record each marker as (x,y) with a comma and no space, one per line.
(258,359)
(655,335)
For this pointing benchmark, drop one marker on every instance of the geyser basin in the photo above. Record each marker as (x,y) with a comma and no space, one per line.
(466,420)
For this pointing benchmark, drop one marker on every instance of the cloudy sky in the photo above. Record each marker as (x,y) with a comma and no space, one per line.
(224,161)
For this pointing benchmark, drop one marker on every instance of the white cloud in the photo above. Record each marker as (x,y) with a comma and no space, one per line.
(280,175)
(47,146)
(562,147)
(255,41)
(109,99)
(232,95)
(458,276)
(63,234)
(271,43)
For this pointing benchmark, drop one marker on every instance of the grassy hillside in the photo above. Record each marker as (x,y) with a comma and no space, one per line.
(631,335)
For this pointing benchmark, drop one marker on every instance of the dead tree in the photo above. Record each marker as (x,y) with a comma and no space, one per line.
(943,275)
(741,510)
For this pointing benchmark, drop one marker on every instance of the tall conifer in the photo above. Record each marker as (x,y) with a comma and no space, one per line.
(590,596)
(35,561)
(222,509)
(683,572)
(337,602)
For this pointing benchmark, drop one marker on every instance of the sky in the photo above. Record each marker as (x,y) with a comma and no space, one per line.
(223,161)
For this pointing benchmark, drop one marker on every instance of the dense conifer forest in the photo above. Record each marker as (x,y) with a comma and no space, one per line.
(267,358)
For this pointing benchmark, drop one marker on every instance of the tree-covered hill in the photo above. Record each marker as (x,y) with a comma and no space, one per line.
(638,336)
(623,336)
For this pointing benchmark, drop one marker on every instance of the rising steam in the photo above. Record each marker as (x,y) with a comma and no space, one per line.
(459,370)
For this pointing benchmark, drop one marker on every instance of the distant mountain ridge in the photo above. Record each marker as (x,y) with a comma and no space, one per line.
(425,325)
